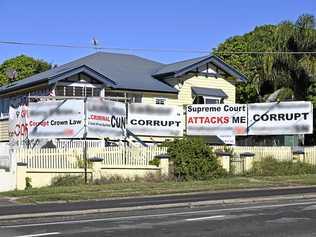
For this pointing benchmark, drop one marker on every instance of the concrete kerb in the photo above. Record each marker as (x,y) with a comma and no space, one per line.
(161,206)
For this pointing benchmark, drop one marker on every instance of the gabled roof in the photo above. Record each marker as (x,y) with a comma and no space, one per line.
(178,69)
(122,71)
(119,71)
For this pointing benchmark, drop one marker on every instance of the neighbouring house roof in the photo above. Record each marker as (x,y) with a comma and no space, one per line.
(118,71)
(209,92)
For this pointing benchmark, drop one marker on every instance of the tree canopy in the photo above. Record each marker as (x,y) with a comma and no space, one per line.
(292,74)
(21,67)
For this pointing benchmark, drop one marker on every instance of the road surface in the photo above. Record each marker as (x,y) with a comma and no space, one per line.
(278,218)
(153,200)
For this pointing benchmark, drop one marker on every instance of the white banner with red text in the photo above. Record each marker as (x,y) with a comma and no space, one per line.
(105,118)
(56,119)
(222,120)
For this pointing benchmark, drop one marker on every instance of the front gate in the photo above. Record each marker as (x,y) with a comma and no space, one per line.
(237,165)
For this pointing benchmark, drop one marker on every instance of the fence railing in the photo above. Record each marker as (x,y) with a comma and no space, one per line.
(70,144)
(280,153)
(56,158)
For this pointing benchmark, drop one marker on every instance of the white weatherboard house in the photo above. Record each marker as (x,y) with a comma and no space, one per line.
(203,80)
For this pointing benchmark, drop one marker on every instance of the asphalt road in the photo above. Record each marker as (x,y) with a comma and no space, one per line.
(142,201)
(283,218)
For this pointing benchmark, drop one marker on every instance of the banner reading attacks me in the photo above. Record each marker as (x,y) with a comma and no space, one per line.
(216,119)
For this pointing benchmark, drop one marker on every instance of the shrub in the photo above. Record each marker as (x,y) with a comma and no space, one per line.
(111,180)
(28,182)
(272,167)
(67,180)
(193,159)
(80,163)
(155,162)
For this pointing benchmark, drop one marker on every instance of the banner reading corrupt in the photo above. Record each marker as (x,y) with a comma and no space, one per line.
(155,120)
(280,118)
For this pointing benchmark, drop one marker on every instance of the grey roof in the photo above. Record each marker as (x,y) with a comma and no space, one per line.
(175,67)
(121,71)
(180,68)
(209,92)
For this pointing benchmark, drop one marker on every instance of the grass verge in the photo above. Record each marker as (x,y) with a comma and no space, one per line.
(88,192)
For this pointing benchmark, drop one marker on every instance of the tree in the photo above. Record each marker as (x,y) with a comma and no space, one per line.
(269,72)
(21,67)
(258,40)
(294,70)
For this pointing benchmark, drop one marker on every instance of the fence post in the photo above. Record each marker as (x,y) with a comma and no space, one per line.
(224,159)
(248,158)
(97,167)
(164,164)
(20,175)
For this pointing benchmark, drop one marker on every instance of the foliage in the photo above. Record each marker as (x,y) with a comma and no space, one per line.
(285,94)
(24,66)
(67,180)
(258,40)
(193,159)
(155,161)
(116,179)
(295,71)
(81,165)
(267,73)
(28,182)
(272,167)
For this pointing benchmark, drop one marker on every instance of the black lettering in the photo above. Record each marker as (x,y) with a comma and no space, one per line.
(273,117)
(133,121)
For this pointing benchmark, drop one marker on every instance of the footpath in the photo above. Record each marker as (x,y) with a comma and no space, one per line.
(11,210)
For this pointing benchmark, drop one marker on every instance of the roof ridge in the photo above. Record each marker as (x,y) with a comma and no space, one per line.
(186,60)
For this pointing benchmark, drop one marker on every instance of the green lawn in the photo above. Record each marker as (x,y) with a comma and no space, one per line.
(86,192)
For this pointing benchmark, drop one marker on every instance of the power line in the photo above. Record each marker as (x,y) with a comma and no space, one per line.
(198,51)
(104,48)
(269,52)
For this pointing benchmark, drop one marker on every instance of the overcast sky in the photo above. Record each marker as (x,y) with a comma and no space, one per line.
(162,24)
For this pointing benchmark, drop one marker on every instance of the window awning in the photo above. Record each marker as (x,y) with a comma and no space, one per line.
(212,92)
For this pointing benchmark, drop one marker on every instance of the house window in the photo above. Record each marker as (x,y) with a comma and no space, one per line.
(95,91)
(132,97)
(160,101)
(212,100)
(208,100)
(77,91)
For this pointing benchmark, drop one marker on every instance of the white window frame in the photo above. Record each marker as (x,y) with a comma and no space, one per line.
(218,99)
(160,99)
(78,84)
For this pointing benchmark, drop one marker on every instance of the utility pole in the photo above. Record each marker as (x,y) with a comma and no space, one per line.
(85,141)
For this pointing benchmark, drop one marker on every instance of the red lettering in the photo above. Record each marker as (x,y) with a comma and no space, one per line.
(100,118)
(190,120)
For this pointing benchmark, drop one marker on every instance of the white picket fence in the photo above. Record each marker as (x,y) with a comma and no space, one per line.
(280,153)
(56,158)
(131,156)
(70,144)
(310,155)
